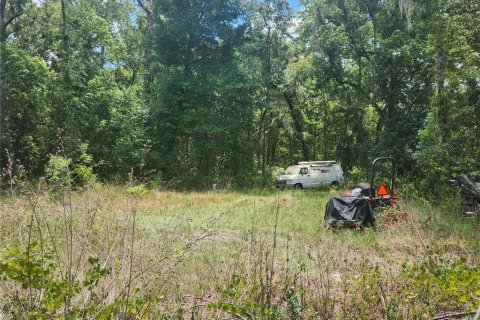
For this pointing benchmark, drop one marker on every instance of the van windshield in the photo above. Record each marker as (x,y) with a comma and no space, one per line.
(292,170)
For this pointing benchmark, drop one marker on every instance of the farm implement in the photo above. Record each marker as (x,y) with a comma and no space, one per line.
(356,208)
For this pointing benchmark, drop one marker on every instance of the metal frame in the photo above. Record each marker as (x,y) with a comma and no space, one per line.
(392,180)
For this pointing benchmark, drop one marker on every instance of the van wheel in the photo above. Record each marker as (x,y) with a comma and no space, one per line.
(298,186)
(335,184)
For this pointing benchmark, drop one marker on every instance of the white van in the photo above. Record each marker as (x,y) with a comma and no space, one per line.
(311,174)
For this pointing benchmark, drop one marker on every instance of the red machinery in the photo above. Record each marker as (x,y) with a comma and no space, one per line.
(357,207)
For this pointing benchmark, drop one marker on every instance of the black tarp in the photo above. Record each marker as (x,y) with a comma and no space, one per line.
(349,209)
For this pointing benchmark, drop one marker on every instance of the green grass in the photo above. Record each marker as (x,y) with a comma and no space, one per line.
(241,253)
(298,213)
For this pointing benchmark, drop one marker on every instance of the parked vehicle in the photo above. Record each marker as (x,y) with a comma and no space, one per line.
(311,174)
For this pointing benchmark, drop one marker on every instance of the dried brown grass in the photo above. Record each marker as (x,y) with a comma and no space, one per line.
(181,252)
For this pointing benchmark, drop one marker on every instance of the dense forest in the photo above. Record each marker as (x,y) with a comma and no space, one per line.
(188,93)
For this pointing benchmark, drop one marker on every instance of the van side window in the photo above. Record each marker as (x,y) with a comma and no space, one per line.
(304,171)
(324,171)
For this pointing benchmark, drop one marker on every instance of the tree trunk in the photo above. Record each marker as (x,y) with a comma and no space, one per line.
(148,54)
(326,154)
(3,107)
(4,22)
(441,104)
(298,123)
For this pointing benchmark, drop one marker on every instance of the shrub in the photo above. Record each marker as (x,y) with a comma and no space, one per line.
(138,190)
(60,172)
(355,176)
(445,285)
(41,292)
(84,175)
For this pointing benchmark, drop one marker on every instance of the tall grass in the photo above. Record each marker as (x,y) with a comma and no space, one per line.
(115,252)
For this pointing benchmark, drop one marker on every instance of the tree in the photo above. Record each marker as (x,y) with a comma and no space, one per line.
(449,143)
(200,113)
(9,12)
(28,128)
(280,121)
(72,72)
(368,56)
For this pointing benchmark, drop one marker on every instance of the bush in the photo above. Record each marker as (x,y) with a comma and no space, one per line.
(41,291)
(446,285)
(60,172)
(84,175)
(138,190)
(355,176)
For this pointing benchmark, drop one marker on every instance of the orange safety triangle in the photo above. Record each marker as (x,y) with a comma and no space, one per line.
(382,191)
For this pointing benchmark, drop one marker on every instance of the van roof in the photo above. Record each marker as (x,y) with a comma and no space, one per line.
(317,163)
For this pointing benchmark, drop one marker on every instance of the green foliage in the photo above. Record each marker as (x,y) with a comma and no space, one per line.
(201,114)
(201,92)
(41,291)
(432,286)
(372,295)
(84,175)
(28,89)
(32,269)
(438,283)
(238,299)
(61,172)
(355,176)
(447,145)
(138,190)
(58,170)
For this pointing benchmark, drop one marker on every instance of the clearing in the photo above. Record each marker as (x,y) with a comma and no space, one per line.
(245,255)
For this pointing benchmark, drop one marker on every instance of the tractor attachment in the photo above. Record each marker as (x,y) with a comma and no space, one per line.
(356,208)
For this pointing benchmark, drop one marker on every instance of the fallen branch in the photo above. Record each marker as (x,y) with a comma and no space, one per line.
(477,315)
(455,315)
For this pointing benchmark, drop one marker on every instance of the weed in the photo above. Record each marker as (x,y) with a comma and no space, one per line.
(130,252)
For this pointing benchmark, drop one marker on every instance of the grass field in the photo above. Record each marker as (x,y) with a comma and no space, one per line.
(118,252)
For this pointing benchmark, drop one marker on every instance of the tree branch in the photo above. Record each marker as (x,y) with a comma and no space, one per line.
(453,315)
(144,7)
(16,15)
(363,93)
(477,314)
(18,12)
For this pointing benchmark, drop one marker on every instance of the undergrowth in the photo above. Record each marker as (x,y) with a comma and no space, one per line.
(134,253)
